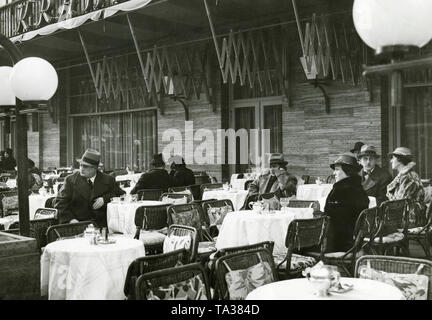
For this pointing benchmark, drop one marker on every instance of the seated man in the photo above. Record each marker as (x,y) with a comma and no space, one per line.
(374,178)
(155,178)
(85,194)
(284,190)
(268,181)
(181,175)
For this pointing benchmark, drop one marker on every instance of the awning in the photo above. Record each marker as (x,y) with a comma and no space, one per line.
(73,23)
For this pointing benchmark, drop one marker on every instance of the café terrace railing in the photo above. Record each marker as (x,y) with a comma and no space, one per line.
(25,15)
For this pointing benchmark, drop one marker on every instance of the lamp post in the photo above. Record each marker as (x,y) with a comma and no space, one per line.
(30,80)
(391,28)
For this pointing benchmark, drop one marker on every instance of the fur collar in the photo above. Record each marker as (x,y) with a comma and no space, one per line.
(407,168)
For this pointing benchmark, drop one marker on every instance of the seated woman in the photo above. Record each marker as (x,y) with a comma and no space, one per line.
(344,203)
(407,184)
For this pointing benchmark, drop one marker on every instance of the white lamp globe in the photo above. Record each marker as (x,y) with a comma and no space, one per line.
(7,97)
(34,79)
(382,23)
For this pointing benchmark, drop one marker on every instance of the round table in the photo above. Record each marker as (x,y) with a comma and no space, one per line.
(237,197)
(73,269)
(121,215)
(302,289)
(246,227)
(313,191)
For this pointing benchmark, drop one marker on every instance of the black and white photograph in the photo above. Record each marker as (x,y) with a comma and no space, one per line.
(234,152)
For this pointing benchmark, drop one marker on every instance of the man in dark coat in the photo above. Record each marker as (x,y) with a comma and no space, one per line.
(374,178)
(344,203)
(9,163)
(156,178)
(85,194)
(357,148)
(181,175)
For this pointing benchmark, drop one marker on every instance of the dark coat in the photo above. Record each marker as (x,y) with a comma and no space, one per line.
(182,176)
(8,164)
(343,205)
(153,179)
(75,198)
(376,184)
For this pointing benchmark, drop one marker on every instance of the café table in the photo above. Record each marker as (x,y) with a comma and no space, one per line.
(237,197)
(73,269)
(246,227)
(302,289)
(121,215)
(313,191)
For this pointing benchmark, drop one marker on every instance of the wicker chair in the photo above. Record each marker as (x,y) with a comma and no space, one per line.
(364,228)
(176,198)
(392,232)
(49,203)
(180,230)
(166,277)
(401,265)
(302,234)
(150,194)
(422,234)
(182,189)
(203,214)
(250,198)
(38,229)
(152,219)
(152,263)
(210,186)
(240,261)
(213,230)
(196,191)
(45,213)
(9,202)
(68,230)
(306,179)
(331,179)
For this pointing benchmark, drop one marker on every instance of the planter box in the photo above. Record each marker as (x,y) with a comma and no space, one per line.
(19,267)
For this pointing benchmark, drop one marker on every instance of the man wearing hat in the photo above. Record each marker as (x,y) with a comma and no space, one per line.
(181,175)
(268,182)
(85,194)
(357,148)
(155,178)
(344,203)
(374,178)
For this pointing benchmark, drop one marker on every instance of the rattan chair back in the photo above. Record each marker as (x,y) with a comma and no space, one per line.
(150,218)
(250,198)
(266,196)
(152,280)
(150,194)
(181,230)
(175,197)
(152,263)
(307,233)
(392,216)
(247,184)
(187,215)
(401,265)
(240,261)
(49,203)
(210,186)
(45,213)
(9,202)
(67,230)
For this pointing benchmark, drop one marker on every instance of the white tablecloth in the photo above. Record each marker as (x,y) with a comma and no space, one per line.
(73,269)
(133,177)
(241,228)
(121,216)
(237,197)
(302,289)
(37,201)
(313,191)
(372,202)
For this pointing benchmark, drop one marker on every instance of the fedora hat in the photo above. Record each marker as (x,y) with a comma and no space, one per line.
(347,159)
(277,158)
(357,146)
(90,157)
(367,151)
(402,152)
(157,160)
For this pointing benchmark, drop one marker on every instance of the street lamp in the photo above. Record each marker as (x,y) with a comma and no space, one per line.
(391,28)
(30,80)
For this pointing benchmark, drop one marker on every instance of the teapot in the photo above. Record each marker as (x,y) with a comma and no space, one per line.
(257,206)
(323,278)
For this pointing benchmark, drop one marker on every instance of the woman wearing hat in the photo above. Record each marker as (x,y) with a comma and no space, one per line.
(407,183)
(344,203)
